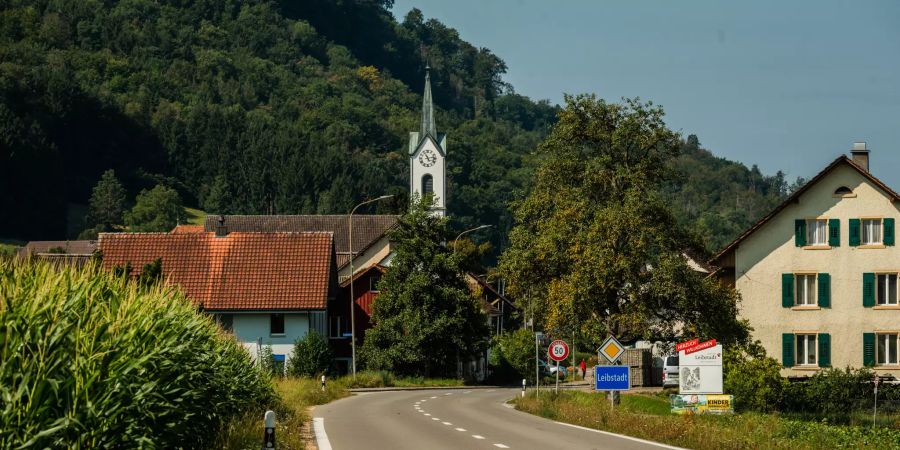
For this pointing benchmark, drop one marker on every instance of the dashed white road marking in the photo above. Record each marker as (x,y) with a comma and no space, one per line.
(449,393)
(467,392)
(446,423)
(501,446)
(435,418)
(427,414)
(433,397)
(477,436)
(492,390)
(321,437)
(460,429)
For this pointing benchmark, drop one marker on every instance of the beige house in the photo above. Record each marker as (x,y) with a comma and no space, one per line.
(818,275)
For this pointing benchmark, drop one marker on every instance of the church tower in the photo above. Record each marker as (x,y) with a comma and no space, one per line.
(427,154)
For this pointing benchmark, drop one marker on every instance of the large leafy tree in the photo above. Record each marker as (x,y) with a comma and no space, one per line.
(425,318)
(596,244)
(159,209)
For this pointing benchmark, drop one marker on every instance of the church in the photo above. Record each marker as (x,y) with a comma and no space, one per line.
(269,279)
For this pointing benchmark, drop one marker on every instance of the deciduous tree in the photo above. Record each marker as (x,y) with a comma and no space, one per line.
(159,209)
(597,244)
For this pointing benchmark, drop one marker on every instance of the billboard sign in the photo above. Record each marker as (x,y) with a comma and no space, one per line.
(700,371)
(701,404)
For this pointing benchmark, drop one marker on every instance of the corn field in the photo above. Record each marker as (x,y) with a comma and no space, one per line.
(88,360)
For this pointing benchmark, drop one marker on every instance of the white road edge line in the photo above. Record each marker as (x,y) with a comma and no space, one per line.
(630,438)
(321,437)
(501,446)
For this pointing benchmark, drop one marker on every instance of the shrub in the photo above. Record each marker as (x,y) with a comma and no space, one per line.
(754,380)
(89,360)
(833,394)
(512,356)
(312,356)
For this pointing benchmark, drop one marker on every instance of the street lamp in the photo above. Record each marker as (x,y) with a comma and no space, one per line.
(480,227)
(353,297)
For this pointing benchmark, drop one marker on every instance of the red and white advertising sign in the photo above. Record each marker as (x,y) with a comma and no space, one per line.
(558,350)
(701,346)
(684,345)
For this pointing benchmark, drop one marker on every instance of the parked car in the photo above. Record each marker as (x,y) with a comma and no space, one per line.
(550,369)
(670,371)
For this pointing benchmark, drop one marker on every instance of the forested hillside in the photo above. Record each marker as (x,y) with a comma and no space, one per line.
(254,106)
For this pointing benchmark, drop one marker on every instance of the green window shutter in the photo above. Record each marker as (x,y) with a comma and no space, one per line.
(824,290)
(800,232)
(834,232)
(868,349)
(824,350)
(787,290)
(868,290)
(889,231)
(787,349)
(854,232)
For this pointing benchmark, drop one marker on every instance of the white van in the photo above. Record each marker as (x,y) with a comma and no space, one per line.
(670,371)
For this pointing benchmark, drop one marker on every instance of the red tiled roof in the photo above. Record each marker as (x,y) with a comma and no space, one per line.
(187,229)
(241,271)
(367,229)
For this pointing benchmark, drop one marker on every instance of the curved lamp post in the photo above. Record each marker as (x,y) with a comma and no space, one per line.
(480,227)
(353,297)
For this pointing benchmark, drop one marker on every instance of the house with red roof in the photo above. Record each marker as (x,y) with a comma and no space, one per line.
(266,288)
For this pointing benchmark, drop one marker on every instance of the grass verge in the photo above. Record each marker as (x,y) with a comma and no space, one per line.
(295,395)
(647,417)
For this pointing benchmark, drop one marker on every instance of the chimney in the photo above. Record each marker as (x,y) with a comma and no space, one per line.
(860,155)
(221,229)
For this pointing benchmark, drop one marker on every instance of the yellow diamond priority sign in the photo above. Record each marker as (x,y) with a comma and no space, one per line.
(611,349)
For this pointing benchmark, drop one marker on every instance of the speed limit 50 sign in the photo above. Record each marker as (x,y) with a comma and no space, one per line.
(558,350)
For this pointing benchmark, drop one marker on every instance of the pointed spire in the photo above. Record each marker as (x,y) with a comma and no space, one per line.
(428,108)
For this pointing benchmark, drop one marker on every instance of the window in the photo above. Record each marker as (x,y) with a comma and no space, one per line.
(886,289)
(427,185)
(226,321)
(886,354)
(842,191)
(276,324)
(805,292)
(334,327)
(871,231)
(806,349)
(817,232)
(373,283)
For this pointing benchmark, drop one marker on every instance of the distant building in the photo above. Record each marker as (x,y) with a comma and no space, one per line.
(75,253)
(267,288)
(818,274)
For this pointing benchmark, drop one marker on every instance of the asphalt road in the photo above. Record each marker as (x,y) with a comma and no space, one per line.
(451,419)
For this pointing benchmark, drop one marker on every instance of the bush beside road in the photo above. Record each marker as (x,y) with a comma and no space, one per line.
(648,417)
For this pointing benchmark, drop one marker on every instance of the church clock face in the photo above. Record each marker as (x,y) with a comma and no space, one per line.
(427,158)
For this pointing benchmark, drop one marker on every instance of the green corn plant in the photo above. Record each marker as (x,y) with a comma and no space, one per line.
(91,360)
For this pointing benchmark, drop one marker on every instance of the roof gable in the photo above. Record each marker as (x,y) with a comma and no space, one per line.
(795,197)
(240,271)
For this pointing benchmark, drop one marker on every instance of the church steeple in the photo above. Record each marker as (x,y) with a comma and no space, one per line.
(428,127)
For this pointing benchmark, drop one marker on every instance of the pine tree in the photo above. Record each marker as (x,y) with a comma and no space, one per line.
(107,205)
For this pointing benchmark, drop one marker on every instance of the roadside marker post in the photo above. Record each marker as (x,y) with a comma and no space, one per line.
(523,388)
(269,433)
(323,382)
(875,410)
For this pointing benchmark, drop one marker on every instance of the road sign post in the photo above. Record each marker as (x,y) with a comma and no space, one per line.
(612,349)
(558,351)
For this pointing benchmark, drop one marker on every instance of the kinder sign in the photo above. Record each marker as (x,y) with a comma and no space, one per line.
(700,368)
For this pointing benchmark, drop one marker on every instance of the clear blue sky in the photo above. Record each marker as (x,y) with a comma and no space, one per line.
(784,85)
